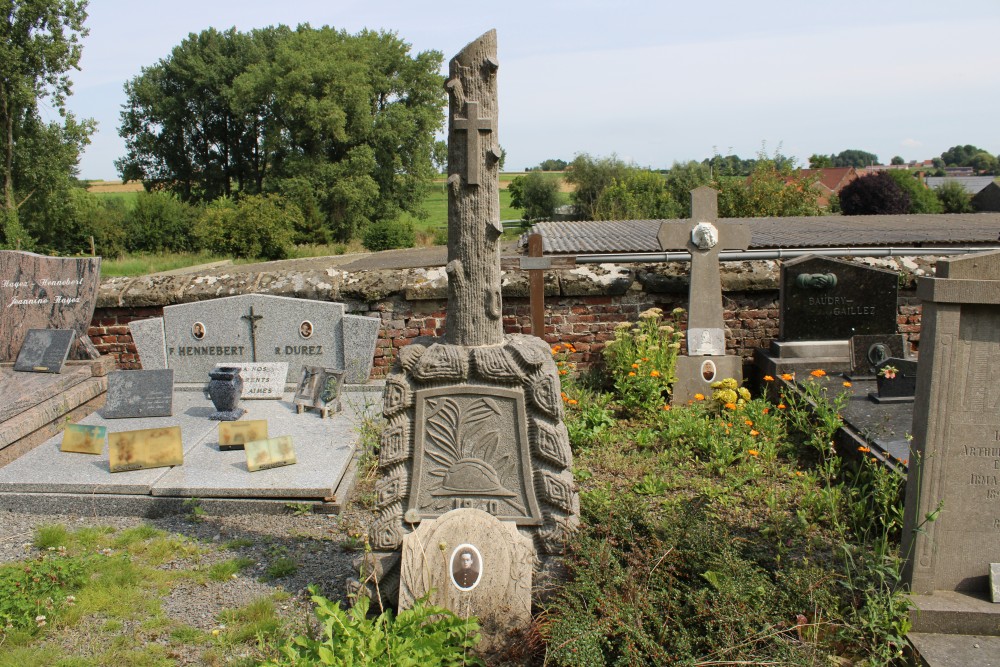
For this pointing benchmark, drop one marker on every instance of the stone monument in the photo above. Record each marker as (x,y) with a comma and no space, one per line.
(954,469)
(475,419)
(706,361)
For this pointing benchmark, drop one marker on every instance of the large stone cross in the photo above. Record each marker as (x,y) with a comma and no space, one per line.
(473,124)
(704,238)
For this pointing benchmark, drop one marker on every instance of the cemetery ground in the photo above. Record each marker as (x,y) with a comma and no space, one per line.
(726,531)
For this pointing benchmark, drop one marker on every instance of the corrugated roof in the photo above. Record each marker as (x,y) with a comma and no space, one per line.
(627,236)
(972,184)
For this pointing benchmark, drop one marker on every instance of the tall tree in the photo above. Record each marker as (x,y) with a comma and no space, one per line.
(854,158)
(39,44)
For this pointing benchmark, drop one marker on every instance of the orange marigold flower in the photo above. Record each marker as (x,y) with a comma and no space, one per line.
(864,450)
(766,410)
(666,406)
(699,397)
(635,365)
(753,452)
(563,372)
(798,473)
(729,424)
(787,376)
(768,378)
(631,374)
(818,373)
(905,461)
(572,401)
(754,432)
(748,422)
(563,394)
(569,346)
(848,384)
(874,459)
(730,406)
(556,348)
(645,358)
(782,406)
(654,374)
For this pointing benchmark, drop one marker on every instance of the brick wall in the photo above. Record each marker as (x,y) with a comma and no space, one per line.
(586,321)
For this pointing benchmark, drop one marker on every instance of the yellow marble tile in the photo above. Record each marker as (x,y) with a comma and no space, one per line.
(147,448)
(233,435)
(84,439)
(263,454)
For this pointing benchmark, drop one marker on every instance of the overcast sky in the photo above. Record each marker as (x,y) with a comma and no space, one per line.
(653,81)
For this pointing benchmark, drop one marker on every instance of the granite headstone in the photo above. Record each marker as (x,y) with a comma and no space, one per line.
(868,351)
(469,561)
(135,394)
(44,350)
(896,380)
(831,299)
(39,292)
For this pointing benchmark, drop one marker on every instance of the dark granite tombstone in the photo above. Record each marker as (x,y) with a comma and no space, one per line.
(867,352)
(831,299)
(897,381)
(44,350)
(134,394)
(39,292)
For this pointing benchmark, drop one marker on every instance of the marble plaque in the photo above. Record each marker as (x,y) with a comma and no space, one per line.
(45,350)
(136,394)
(39,292)
(271,453)
(471,451)
(263,379)
(233,435)
(146,448)
(832,299)
(84,439)
(470,562)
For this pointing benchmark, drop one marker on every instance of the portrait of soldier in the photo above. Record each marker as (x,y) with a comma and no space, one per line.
(465,567)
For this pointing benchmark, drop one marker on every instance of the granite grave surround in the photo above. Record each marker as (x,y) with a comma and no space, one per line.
(955,465)
(50,481)
(192,338)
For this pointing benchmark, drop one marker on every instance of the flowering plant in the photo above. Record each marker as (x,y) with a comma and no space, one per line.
(888,372)
(642,358)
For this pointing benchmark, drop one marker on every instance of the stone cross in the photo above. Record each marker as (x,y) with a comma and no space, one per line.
(704,239)
(253,332)
(473,124)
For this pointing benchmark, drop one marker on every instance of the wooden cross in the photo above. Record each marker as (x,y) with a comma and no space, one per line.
(473,124)
(706,327)
(253,331)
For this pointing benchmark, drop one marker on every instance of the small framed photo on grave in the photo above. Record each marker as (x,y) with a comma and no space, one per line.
(44,350)
(466,567)
(319,389)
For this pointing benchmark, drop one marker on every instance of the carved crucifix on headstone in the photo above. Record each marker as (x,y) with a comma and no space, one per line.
(253,332)
(473,197)
(704,238)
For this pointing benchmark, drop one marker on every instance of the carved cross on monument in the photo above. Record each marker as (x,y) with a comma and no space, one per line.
(705,238)
(473,124)
(253,331)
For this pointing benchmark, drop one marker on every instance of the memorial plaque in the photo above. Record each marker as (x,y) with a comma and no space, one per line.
(44,350)
(272,453)
(136,394)
(84,439)
(320,389)
(146,448)
(233,435)
(468,560)
(263,379)
(831,299)
(39,292)
(897,381)
(867,352)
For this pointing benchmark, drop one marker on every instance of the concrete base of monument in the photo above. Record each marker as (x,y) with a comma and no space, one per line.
(930,650)
(803,357)
(955,629)
(48,480)
(695,375)
(35,406)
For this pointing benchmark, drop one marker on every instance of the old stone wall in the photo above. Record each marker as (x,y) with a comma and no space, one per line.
(583,304)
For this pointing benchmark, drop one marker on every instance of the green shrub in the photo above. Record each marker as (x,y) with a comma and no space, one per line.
(389,234)
(255,227)
(954,198)
(424,636)
(642,358)
(32,593)
(159,222)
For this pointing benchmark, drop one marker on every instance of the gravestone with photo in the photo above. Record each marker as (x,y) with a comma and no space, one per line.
(951,532)
(704,237)
(474,421)
(193,338)
(868,351)
(824,303)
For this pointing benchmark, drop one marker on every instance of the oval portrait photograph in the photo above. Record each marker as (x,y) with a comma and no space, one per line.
(708,371)
(198,330)
(466,567)
(306,329)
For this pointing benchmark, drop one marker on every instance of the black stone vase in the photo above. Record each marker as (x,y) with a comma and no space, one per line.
(224,388)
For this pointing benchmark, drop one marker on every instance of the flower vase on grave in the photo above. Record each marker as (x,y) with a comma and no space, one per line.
(224,388)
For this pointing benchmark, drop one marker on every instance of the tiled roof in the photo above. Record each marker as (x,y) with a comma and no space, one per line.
(972,184)
(633,236)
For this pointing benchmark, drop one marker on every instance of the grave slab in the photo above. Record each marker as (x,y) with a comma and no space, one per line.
(938,650)
(149,342)
(136,394)
(21,391)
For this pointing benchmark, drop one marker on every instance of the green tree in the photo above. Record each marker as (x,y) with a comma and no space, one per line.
(817,161)
(256,226)
(773,189)
(535,194)
(39,45)
(160,222)
(638,195)
(896,159)
(590,177)
(922,198)
(854,158)
(553,165)
(682,179)
(960,156)
(353,116)
(954,198)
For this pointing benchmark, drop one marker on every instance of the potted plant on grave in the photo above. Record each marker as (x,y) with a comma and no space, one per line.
(896,378)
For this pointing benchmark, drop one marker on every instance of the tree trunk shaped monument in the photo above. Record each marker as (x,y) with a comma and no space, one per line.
(473,421)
